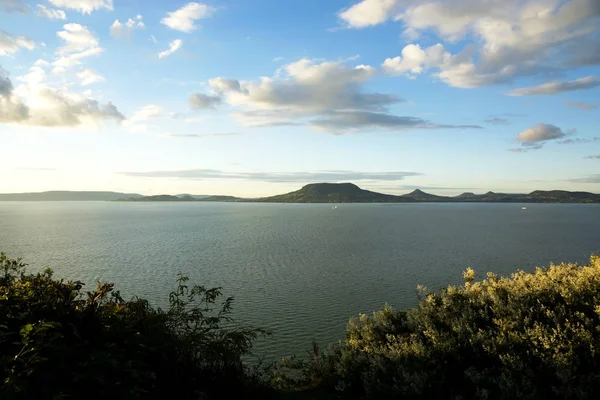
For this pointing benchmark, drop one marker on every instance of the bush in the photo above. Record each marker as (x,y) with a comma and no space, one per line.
(528,336)
(57,342)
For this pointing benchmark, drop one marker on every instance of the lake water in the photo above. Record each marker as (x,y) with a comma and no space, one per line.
(300,270)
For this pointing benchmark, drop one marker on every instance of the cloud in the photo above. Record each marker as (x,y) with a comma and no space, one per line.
(276,59)
(497,121)
(588,179)
(581,105)
(10,6)
(83,6)
(89,76)
(579,140)
(327,95)
(145,113)
(36,104)
(525,149)
(277,177)
(596,157)
(10,44)
(50,13)
(415,60)
(199,135)
(200,101)
(184,19)
(123,30)
(6,85)
(555,87)
(173,47)
(348,121)
(79,43)
(534,138)
(507,39)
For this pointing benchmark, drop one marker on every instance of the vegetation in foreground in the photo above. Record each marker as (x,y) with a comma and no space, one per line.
(528,336)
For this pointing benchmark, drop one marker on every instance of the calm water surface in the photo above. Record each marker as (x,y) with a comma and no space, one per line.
(299,270)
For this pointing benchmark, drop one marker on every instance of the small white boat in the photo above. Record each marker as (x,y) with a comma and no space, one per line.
(523,208)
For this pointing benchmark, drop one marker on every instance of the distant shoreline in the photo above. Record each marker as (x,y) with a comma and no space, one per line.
(323,193)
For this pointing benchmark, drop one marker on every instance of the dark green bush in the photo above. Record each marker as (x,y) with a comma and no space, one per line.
(529,336)
(58,342)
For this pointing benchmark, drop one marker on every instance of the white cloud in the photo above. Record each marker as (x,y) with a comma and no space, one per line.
(184,19)
(369,12)
(327,95)
(35,103)
(122,30)
(508,39)
(89,76)
(83,6)
(153,39)
(173,47)
(415,60)
(554,87)
(10,44)
(80,43)
(50,13)
(538,134)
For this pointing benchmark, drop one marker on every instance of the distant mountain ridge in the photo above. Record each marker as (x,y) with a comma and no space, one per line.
(66,195)
(322,193)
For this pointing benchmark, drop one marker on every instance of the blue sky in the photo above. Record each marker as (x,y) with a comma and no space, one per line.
(260,97)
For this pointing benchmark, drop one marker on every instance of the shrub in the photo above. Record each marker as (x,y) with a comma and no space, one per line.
(528,336)
(58,342)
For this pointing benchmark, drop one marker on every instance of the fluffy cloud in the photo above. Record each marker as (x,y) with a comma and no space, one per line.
(184,19)
(122,30)
(50,13)
(12,6)
(79,43)
(581,105)
(415,60)
(200,101)
(89,76)
(173,47)
(35,103)
(327,95)
(510,38)
(279,177)
(83,6)
(554,87)
(10,44)
(534,138)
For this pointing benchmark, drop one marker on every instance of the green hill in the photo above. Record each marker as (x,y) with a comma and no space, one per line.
(332,193)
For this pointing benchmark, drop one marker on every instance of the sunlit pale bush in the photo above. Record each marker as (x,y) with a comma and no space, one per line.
(527,336)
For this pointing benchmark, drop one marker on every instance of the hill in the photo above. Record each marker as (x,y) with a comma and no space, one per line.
(67,196)
(420,196)
(332,193)
(160,197)
(221,198)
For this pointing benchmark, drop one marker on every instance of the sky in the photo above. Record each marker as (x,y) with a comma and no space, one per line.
(260,97)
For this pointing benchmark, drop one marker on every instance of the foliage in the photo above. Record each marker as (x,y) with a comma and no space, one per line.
(528,336)
(58,342)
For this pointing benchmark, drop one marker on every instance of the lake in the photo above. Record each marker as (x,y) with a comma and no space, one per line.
(300,270)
